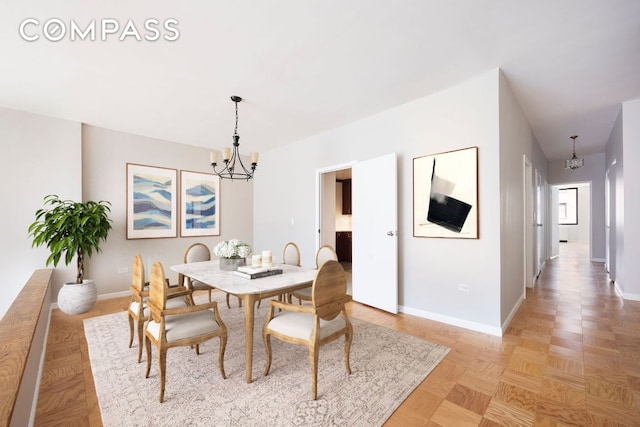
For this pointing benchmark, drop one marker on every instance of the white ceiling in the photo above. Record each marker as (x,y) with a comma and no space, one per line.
(306,66)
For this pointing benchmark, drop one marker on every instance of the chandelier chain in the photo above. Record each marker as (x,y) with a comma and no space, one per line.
(235,131)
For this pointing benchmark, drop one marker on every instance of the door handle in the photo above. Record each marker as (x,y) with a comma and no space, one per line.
(391,233)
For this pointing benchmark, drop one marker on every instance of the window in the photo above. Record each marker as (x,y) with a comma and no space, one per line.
(568,206)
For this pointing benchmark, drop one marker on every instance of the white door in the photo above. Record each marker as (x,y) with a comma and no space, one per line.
(554,223)
(529,225)
(610,220)
(375,232)
(539,224)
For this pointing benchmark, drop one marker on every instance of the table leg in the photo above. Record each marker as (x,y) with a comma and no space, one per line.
(249,319)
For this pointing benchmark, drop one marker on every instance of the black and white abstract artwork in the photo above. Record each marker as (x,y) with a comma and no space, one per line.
(445,194)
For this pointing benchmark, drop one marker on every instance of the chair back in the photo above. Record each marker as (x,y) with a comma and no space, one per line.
(324,254)
(137,273)
(291,254)
(329,290)
(157,290)
(196,253)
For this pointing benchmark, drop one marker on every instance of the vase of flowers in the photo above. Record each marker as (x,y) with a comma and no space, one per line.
(233,254)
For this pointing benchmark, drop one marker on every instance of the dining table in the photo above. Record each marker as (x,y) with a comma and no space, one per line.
(248,290)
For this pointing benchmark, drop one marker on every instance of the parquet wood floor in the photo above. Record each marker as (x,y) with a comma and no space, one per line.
(571,357)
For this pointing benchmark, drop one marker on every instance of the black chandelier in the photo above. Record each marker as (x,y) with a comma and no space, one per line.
(574,162)
(233,166)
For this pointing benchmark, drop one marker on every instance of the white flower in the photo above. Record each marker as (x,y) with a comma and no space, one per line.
(233,248)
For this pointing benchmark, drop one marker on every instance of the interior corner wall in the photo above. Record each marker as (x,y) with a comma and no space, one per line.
(593,172)
(614,167)
(41,156)
(430,270)
(105,154)
(516,140)
(630,202)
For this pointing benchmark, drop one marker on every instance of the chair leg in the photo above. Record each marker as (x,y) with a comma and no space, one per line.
(188,299)
(267,347)
(162,361)
(313,359)
(348,337)
(130,329)
(223,346)
(147,346)
(140,339)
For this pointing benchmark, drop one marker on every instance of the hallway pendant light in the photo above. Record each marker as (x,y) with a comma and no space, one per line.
(233,167)
(574,162)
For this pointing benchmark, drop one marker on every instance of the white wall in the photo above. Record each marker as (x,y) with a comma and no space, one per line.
(104,156)
(41,156)
(629,201)
(430,269)
(516,140)
(594,173)
(616,187)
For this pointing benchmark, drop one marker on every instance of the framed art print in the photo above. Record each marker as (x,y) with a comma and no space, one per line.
(200,204)
(445,195)
(151,202)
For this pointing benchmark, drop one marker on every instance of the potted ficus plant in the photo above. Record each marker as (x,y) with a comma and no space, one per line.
(72,229)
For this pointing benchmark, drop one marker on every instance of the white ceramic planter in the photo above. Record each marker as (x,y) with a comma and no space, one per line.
(76,298)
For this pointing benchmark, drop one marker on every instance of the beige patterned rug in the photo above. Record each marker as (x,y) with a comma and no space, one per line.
(386,367)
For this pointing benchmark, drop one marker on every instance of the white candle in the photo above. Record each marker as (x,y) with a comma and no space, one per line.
(266,258)
(226,153)
(213,156)
(254,157)
(256,261)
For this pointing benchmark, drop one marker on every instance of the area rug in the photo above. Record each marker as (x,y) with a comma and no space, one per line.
(386,367)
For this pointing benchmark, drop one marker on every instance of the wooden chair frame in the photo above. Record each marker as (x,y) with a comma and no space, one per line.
(287,249)
(157,303)
(304,294)
(328,302)
(139,295)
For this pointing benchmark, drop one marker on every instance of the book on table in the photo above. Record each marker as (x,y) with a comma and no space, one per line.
(256,273)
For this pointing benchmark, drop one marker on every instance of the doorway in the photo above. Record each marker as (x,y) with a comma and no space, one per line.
(374,224)
(573,209)
(334,224)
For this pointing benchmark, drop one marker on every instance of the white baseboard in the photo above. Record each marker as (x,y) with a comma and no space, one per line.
(115,295)
(103,296)
(632,297)
(478,327)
